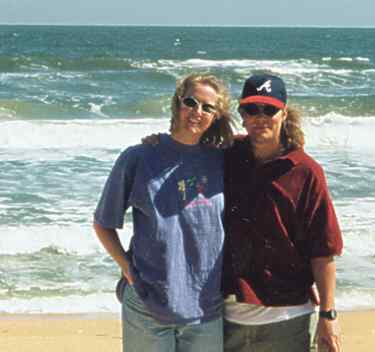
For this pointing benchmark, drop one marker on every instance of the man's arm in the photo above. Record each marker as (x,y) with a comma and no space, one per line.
(111,242)
(324,271)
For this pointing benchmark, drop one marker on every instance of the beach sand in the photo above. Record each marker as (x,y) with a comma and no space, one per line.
(100,333)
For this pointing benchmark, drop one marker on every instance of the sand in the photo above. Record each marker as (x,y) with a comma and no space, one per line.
(100,333)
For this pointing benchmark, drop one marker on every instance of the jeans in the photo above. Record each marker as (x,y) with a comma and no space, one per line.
(143,333)
(294,335)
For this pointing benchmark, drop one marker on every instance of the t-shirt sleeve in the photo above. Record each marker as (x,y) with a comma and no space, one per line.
(321,226)
(114,200)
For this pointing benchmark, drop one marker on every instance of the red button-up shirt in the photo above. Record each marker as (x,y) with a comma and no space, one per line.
(278,217)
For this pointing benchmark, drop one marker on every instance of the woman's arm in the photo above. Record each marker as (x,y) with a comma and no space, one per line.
(111,242)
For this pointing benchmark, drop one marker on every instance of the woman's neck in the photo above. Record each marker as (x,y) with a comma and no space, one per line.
(185,138)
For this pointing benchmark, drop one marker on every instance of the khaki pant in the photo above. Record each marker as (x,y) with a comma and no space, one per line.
(294,335)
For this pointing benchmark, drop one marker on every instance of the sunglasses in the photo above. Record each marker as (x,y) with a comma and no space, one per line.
(192,102)
(255,109)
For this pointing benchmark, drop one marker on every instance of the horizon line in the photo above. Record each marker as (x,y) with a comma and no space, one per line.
(188,25)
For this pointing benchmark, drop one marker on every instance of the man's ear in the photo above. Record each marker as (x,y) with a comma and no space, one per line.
(285,113)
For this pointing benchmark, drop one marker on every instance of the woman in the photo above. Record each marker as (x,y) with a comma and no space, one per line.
(282,231)
(173,300)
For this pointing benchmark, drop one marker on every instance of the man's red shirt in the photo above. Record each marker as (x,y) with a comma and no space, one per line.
(278,217)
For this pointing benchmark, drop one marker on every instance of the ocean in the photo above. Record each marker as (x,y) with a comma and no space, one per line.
(71,98)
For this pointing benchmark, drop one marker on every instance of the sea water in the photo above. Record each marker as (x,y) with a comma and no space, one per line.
(72,98)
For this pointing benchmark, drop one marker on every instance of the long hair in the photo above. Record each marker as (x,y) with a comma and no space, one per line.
(220,133)
(292,136)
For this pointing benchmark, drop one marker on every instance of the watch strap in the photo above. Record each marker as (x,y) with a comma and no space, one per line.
(328,314)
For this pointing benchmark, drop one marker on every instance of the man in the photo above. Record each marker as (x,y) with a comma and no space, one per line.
(282,231)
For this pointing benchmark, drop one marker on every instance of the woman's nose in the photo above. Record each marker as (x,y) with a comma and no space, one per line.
(198,108)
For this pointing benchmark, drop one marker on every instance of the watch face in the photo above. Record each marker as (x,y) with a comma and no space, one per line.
(328,314)
(333,314)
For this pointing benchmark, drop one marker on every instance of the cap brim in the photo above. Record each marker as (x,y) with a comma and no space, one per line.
(261,99)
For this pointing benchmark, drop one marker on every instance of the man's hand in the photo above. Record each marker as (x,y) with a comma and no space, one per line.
(328,332)
(153,139)
(328,335)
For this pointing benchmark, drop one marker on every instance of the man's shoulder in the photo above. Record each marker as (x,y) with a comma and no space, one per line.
(304,161)
(306,167)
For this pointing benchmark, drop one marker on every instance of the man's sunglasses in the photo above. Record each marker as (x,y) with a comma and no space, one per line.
(192,102)
(255,109)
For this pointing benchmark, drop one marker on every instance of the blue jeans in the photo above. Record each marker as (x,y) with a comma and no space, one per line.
(142,333)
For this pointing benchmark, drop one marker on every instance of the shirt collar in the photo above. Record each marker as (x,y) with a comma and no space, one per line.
(295,156)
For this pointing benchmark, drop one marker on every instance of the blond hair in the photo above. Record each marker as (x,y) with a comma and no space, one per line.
(292,136)
(220,132)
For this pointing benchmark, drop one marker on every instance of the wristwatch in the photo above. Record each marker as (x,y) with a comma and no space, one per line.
(328,314)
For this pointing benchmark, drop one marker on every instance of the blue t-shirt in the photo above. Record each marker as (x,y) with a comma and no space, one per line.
(176,195)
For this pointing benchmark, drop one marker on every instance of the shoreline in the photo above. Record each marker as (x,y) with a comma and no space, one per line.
(102,332)
(59,316)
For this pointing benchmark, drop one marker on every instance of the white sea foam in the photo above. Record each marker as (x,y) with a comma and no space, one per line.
(355,298)
(198,63)
(360,236)
(97,109)
(40,75)
(338,131)
(350,299)
(94,303)
(72,239)
(348,59)
(7,113)
(77,133)
(366,59)
(329,130)
(69,75)
(297,67)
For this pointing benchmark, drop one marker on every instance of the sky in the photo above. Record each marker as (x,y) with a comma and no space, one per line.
(341,13)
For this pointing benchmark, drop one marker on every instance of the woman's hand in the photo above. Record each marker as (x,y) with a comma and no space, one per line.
(127,274)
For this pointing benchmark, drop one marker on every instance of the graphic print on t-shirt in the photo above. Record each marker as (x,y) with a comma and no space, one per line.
(191,191)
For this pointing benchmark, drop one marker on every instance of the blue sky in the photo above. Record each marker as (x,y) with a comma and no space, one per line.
(193,12)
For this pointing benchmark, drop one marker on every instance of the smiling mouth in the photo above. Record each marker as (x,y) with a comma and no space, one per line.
(193,121)
(260,127)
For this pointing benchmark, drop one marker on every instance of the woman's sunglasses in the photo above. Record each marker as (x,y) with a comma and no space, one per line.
(255,109)
(192,102)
